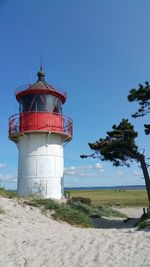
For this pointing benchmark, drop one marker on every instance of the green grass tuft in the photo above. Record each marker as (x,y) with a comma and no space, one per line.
(7,193)
(83,208)
(72,216)
(98,211)
(83,200)
(144,224)
(42,202)
(106,211)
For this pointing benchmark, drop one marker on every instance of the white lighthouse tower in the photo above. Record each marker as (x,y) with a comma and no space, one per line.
(40,131)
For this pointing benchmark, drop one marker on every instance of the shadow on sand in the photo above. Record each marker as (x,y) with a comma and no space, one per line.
(108,223)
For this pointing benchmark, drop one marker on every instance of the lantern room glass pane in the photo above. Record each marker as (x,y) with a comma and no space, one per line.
(40,103)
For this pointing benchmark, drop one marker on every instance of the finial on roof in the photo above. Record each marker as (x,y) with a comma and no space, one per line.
(41,73)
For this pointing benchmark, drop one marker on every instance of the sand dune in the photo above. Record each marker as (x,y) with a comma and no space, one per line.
(29,238)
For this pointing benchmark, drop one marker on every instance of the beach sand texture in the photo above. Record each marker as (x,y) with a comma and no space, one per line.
(29,238)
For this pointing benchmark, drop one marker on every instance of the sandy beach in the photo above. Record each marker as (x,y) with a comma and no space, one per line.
(29,238)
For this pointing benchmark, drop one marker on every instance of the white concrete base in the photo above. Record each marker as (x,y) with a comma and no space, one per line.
(41,165)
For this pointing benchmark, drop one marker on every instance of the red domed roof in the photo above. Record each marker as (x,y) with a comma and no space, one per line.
(39,87)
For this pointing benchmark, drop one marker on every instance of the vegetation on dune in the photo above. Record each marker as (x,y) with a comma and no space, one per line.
(74,212)
(144,224)
(8,193)
(97,211)
(109,212)
(84,200)
(77,212)
(72,216)
(62,212)
(42,202)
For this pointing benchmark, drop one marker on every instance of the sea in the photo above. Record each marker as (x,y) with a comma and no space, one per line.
(121,187)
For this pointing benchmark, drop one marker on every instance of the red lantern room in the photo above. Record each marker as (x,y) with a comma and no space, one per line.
(40,106)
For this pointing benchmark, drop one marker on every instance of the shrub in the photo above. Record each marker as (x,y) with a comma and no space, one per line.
(83,200)
(89,210)
(109,212)
(72,216)
(144,224)
(98,211)
(46,203)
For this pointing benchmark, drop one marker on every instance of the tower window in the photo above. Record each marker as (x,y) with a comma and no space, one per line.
(40,103)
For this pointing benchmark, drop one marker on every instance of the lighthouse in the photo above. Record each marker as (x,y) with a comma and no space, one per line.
(40,131)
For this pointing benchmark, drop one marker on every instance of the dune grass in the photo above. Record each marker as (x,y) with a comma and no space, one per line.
(72,216)
(62,212)
(8,193)
(144,224)
(74,213)
(122,198)
(97,211)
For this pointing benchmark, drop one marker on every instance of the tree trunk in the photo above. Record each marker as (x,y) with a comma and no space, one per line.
(146,175)
(141,159)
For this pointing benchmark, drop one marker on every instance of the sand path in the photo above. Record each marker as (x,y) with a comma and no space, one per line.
(30,239)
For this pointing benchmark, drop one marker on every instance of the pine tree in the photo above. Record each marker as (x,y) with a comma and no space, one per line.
(120,148)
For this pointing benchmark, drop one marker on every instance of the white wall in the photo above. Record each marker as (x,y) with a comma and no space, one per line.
(40,165)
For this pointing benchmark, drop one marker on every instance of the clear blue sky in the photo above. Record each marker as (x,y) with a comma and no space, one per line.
(97,50)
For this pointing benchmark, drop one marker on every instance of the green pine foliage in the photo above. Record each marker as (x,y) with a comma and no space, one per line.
(142,96)
(117,146)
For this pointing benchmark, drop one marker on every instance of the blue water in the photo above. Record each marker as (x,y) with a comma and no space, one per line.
(121,187)
(125,187)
